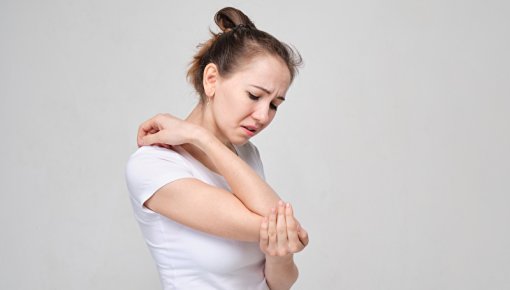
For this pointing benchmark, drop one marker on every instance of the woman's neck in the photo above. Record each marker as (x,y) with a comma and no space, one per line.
(199,117)
(202,116)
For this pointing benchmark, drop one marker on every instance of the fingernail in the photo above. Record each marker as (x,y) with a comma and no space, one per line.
(287,205)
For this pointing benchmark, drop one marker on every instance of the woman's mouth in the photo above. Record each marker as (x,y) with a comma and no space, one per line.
(250,130)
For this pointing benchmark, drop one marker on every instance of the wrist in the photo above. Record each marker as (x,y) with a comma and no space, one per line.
(280,272)
(280,260)
(199,136)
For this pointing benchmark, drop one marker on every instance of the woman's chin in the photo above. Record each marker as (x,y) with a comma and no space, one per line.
(239,141)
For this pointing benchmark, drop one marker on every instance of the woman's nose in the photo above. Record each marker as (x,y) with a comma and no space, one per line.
(261,115)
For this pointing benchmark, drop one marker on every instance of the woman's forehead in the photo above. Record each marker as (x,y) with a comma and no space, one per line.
(266,71)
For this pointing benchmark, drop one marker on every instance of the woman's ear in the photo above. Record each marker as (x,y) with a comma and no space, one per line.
(210,80)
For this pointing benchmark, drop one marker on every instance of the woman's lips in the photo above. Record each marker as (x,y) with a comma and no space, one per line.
(250,130)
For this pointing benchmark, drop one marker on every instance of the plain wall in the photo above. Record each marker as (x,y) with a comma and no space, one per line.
(393,145)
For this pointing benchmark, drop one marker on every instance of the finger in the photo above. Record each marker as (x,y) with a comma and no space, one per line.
(271,232)
(145,129)
(141,133)
(303,235)
(294,242)
(281,230)
(150,126)
(163,145)
(152,139)
(264,237)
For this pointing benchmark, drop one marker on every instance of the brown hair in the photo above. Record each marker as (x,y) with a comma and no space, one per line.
(238,41)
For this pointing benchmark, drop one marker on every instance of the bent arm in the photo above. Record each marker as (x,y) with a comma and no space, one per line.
(245,183)
(206,208)
(250,198)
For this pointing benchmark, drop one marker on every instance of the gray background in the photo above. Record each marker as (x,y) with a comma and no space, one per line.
(393,145)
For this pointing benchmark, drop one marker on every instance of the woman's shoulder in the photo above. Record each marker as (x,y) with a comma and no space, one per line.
(153,164)
(156,157)
(156,152)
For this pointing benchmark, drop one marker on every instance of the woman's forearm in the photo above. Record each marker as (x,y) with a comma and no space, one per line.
(245,183)
(281,272)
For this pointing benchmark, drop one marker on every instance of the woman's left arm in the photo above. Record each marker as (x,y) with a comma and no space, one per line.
(280,237)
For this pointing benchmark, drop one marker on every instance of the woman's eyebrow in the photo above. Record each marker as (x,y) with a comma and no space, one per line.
(262,88)
(267,91)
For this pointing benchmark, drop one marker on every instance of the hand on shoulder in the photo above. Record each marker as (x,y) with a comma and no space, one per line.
(166,130)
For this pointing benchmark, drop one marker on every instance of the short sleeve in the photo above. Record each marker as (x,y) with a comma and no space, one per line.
(152,167)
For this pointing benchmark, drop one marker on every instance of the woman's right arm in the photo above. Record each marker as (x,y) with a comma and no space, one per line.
(237,214)
(246,184)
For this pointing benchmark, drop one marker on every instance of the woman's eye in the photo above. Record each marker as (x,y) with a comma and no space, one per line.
(253,97)
(273,107)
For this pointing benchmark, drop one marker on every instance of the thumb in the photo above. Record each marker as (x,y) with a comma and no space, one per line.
(303,235)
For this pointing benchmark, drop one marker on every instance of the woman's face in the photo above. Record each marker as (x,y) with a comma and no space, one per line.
(245,102)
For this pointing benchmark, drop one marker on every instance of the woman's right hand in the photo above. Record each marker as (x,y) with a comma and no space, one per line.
(166,130)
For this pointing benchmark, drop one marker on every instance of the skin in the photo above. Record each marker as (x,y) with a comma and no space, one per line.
(231,99)
(246,99)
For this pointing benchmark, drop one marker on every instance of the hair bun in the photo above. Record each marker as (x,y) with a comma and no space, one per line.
(229,18)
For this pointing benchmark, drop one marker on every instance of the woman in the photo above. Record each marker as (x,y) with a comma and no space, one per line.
(206,213)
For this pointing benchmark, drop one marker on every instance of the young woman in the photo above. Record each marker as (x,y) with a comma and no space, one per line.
(206,213)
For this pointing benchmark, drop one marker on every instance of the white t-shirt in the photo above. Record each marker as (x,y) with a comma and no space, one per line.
(186,258)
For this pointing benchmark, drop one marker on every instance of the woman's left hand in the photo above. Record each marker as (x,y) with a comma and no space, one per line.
(281,234)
